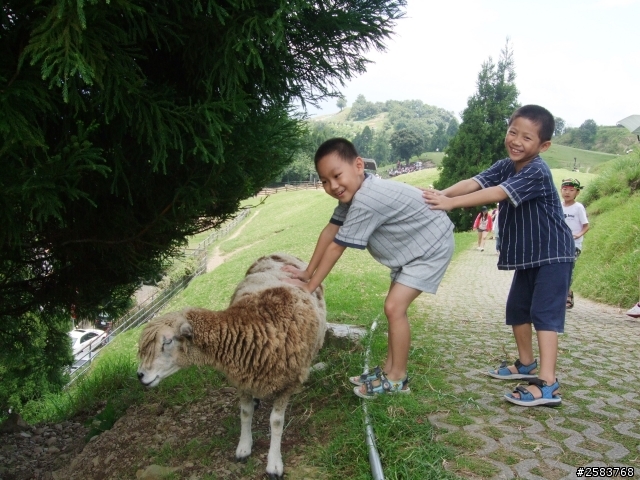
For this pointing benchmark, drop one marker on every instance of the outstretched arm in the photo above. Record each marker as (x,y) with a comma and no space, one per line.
(473,199)
(331,255)
(324,240)
(463,187)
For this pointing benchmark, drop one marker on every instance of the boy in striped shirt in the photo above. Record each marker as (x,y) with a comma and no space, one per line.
(391,220)
(535,242)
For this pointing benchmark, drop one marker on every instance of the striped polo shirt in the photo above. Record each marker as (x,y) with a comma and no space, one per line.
(392,221)
(531,222)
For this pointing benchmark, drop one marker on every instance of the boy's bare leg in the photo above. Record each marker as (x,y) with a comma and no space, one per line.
(395,308)
(548,344)
(522,334)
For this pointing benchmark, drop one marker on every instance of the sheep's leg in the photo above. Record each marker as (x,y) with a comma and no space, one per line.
(246,416)
(275,467)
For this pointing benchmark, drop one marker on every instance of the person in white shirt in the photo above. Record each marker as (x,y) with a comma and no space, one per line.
(576,217)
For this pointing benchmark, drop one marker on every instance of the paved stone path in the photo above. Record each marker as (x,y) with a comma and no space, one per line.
(598,423)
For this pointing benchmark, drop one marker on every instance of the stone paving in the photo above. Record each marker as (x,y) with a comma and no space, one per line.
(598,423)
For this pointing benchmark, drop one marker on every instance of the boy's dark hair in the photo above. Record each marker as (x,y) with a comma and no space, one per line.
(538,115)
(341,146)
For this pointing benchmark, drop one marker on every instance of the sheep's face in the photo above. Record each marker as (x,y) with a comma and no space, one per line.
(162,351)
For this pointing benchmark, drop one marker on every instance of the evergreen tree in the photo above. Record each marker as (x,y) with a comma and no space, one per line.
(127,127)
(480,139)
(381,149)
(363,142)
(439,139)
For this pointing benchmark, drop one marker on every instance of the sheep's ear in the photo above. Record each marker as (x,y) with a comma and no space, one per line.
(186,330)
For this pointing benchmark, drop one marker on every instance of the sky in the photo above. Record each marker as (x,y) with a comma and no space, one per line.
(578,59)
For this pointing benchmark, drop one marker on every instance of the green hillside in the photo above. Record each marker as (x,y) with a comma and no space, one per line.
(616,140)
(561,156)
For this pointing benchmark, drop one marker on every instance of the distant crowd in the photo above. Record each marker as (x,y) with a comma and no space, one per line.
(402,169)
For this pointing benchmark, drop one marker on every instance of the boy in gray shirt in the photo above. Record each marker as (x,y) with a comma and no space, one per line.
(391,220)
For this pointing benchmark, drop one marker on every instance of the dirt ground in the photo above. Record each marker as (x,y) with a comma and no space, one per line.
(195,441)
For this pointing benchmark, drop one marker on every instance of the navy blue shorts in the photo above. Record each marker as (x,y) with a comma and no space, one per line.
(539,296)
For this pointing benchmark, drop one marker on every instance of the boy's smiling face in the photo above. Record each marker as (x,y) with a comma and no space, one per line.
(340,178)
(523,142)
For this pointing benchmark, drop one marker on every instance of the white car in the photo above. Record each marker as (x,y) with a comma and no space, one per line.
(85,340)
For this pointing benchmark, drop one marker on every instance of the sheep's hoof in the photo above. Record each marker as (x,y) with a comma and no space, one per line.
(275,476)
(242,459)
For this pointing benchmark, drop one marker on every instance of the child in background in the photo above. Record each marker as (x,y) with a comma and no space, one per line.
(535,241)
(391,220)
(483,225)
(496,228)
(576,217)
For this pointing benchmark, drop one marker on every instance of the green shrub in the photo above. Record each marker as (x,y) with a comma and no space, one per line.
(608,269)
(32,364)
(619,176)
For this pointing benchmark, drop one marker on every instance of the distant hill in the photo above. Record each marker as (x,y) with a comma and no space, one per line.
(376,122)
(561,156)
(617,140)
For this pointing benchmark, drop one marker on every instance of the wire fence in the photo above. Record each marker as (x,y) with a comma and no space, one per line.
(146,310)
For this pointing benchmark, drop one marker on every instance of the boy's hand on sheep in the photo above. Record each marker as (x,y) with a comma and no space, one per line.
(296,282)
(296,272)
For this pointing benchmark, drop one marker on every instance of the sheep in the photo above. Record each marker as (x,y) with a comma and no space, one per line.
(264,343)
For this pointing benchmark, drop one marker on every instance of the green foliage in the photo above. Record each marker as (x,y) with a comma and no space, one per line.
(371,126)
(405,143)
(364,142)
(619,176)
(341,103)
(608,270)
(128,127)
(560,126)
(587,133)
(31,365)
(609,139)
(480,139)
(361,109)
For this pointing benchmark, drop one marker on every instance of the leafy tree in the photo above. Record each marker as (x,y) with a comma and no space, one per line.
(361,109)
(364,142)
(560,126)
(405,144)
(587,133)
(301,169)
(127,127)
(480,139)
(341,103)
(439,139)
(381,149)
(452,128)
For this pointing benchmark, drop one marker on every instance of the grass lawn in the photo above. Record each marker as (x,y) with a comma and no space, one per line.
(561,156)
(355,293)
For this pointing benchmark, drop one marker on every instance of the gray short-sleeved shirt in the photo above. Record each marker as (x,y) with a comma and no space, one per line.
(391,220)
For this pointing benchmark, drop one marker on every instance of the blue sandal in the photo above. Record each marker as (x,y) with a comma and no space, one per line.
(524,371)
(366,376)
(549,396)
(385,386)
